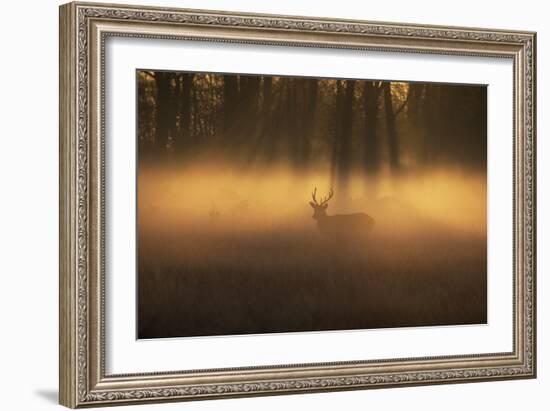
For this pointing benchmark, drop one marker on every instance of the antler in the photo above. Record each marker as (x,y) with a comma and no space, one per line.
(313,196)
(323,200)
(327,198)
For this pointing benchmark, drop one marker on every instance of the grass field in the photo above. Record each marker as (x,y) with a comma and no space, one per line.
(230,282)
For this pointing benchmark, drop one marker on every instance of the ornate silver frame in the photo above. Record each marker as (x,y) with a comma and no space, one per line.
(83,30)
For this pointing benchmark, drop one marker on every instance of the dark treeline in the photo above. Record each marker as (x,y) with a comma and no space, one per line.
(347,125)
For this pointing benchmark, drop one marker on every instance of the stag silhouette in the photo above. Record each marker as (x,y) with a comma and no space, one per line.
(339,225)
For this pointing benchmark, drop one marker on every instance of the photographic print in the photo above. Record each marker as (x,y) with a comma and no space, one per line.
(272,204)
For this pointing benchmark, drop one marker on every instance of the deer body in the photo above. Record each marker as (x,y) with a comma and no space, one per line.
(339,225)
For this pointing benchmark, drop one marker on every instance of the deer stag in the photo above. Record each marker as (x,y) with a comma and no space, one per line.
(339,225)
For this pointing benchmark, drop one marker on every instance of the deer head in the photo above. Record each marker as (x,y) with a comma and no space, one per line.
(320,207)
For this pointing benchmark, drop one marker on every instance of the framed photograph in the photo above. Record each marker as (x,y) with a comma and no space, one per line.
(259,204)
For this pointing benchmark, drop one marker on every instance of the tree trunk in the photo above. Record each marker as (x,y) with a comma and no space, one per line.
(307,119)
(335,155)
(393,143)
(230,104)
(249,93)
(371,141)
(184,137)
(165,121)
(346,130)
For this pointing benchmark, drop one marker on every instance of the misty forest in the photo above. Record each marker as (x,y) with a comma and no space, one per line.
(283,204)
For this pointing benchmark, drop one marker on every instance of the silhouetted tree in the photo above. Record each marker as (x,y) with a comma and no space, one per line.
(230,104)
(165,113)
(184,93)
(391,130)
(371,94)
(341,156)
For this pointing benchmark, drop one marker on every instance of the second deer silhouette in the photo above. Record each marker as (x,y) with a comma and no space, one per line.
(339,225)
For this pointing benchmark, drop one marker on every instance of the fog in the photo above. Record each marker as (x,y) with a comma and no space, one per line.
(221,197)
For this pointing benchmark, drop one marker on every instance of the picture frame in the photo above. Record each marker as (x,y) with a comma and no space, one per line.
(84,30)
